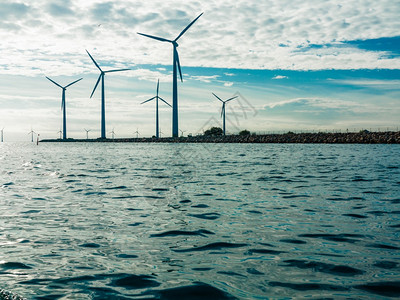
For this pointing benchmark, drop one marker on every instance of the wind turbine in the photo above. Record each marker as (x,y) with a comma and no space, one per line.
(32,132)
(103,96)
(87,133)
(137,132)
(63,104)
(113,133)
(182,131)
(2,134)
(223,109)
(157,97)
(60,132)
(175,65)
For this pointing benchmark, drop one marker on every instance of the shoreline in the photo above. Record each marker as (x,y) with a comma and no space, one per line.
(364,137)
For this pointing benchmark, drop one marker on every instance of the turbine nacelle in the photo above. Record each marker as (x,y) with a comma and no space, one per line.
(174,44)
(64,88)
(102,73)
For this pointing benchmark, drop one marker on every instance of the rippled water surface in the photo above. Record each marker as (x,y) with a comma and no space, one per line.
(212,221)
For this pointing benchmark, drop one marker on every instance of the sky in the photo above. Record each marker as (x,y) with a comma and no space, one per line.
(295,65)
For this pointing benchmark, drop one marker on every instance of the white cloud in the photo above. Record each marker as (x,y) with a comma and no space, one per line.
(280,77)
(377,84)
(46,36)
(206,79)
(228,84)
(329,104)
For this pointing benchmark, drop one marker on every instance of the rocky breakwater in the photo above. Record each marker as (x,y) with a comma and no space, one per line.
(302,138)
(363,137)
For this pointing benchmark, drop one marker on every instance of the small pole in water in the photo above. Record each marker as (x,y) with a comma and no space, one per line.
(37,139)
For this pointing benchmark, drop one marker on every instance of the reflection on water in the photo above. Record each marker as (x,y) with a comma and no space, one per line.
(217,221)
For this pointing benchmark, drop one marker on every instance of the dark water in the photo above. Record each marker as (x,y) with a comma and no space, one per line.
(181,221)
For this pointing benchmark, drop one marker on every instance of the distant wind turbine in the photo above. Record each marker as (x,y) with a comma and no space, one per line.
(182,131)
(175,64)
(32,133)
(113,133)
(161,133)
(2,135)
(157,97)
(63,104)
(137,132)
(223,109)
(103,96)
(60,132)
(87,133)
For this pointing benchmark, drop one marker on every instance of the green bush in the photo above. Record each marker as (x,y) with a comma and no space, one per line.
(213,131)
(244,132)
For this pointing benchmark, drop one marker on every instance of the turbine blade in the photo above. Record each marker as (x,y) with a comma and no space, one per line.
(178,63)
(164,101)
(217,97)
(119,70)
(231,98)
(223,110)
(97,83)
(187,27)
(54,82)
(94,61)
(155,37)
(148,100)
(158,85)
(73,83)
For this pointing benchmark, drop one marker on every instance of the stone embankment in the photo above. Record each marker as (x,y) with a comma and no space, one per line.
(364,137)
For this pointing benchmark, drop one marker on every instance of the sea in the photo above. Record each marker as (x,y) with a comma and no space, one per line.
(199,221)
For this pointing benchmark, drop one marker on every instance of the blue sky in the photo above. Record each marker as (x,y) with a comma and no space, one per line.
(296,65)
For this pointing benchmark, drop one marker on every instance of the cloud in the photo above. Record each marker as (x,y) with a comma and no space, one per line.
(206,79)
(13,10)
(319,105)
(102,11)
(370,83)
(60,9)
(280,77)
(148,75)
(273,34)
(228,84)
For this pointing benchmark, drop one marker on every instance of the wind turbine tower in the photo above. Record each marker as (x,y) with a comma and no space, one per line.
(137,132)
(157,97)
(175,65)
(87,133)
(103,96)
(31,133)
(2,135)
(64,131)
(223,109)
(113,133)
